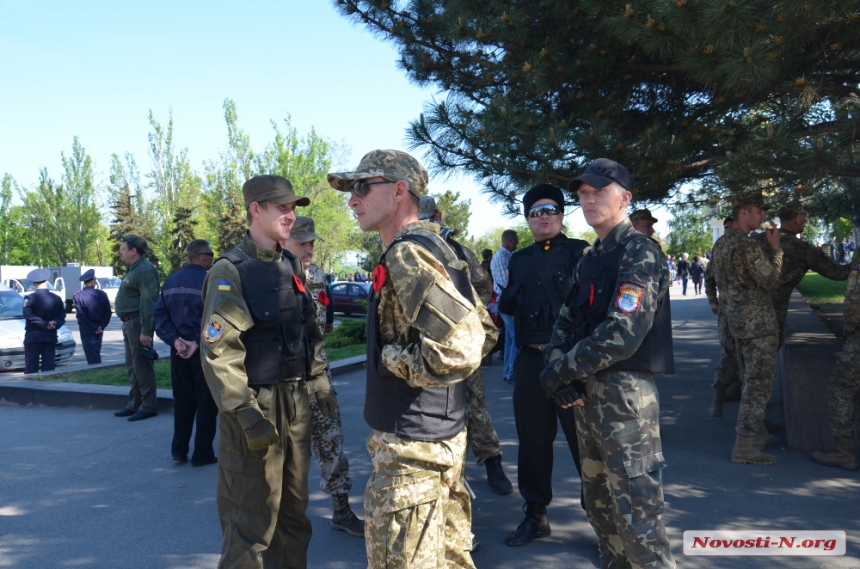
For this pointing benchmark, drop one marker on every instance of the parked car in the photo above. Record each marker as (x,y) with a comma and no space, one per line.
(345,297)
(12,333)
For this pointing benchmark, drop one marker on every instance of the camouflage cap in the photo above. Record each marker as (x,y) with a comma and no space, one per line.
(426,208)
(138,243)
(750,198)
(643,214)
(304,230)
(791,210)
(269,188)
(392,165)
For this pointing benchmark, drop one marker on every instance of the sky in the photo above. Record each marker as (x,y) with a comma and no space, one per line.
(94,69)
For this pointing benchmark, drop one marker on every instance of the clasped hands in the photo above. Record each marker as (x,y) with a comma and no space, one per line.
(565,394)
(184,348)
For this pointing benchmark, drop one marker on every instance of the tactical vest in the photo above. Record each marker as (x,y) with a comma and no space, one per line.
(589,307)
(276,346)
(393,406)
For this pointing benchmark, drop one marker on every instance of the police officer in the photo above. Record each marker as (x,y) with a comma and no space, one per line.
(44,313)
(540,277)
(482,436)
(326,433)
(845,382)
(643,221)
(798,257)
(427,333)
(261,350)
(614,332)
(178,314)
(746,275)
(92,309)
(134,303)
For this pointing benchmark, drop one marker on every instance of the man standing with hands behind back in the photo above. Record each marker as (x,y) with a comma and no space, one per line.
(44,313)
(92,309)
(134,303)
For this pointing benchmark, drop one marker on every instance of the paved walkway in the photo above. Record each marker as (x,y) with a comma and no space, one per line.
(81,488)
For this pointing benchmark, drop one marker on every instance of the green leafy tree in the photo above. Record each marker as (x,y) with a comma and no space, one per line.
(80,212)
(734,93)
(126,221)
(689,232)
(456,213)
(231,229)
(7,187)
(183,234)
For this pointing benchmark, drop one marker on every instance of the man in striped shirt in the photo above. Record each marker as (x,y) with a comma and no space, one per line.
(499,268)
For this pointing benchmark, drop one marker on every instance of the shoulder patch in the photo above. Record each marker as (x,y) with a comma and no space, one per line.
(629,297)
(224,285)
(214,329)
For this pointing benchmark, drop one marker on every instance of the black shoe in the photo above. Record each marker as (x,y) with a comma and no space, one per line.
(496,477)
(180,458)
(125,413)
(535,526)
(140,415)
(343,518)
(213,460)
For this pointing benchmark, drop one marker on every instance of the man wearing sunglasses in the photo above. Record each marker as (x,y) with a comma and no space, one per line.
(614,332)
(539,279)
(426,333)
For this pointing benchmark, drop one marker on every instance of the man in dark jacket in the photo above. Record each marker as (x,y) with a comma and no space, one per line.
(92,309)
(177,314)
(44,312)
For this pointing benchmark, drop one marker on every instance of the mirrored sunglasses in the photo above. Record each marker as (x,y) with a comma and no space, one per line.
(544,209)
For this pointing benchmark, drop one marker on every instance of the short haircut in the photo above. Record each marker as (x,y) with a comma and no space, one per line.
(508,234)
(196,247)
(736,211)
(248,217)
(729,219)
(487,254)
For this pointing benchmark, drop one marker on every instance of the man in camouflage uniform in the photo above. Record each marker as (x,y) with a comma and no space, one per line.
(845,381)
(482,436)
(746,275)
(613,333)
(261,352)
(798,257)
(643,221)
(426,334)
(727,372)
(326,434)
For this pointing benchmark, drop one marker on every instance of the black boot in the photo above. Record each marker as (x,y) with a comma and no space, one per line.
(496,476)
(535,526)
(343,518)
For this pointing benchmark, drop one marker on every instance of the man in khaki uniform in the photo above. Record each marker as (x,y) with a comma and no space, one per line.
(261,351)
(746,275)
(427,332)
(326,433)
(482,436)
(643,221)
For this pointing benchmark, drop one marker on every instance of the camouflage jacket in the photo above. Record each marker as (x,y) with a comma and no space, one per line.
(746,277)
(798,256)
(643,265)
(480,278)
(223,357)
(459,335)
(852,297)
(710,282)
(315,279)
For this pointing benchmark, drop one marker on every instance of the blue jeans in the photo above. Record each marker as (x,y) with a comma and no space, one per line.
(684,280)
(511,350)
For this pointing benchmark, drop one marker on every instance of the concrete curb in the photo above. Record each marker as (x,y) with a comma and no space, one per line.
(52,394)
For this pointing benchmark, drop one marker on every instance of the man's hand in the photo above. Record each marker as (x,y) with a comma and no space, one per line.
(552,377)
(259,431)
(327,402)
(772,235)
(179,346)
(572,395)
(328,328)
(99,331)
(715,308)
(52,325)
(146,341)
(190,348)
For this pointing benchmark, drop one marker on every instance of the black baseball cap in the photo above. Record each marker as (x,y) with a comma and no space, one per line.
(601,173)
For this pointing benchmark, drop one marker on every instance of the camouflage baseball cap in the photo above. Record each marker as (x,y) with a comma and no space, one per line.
(643,214)
(750,198)
(791,210)
(389,164)
(304,230)
(271,189)
(427,208)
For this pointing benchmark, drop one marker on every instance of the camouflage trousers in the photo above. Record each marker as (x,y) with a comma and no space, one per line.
(727,371)
(327,444)
(619,443)
(418,512)
(757,360)
(482,436)
(843,387)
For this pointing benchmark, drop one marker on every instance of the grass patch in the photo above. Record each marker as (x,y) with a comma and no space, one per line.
(335,354)
(818,290)
(112,375)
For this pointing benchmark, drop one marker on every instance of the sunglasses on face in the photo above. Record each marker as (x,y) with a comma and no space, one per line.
(360,188)
(542,210)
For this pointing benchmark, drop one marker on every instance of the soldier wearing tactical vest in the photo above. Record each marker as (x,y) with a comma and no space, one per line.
(614,332)
(261,353)
(539,279)
(483,439)
(426,333)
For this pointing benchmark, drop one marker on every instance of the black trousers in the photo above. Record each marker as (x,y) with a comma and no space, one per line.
(92,343)
(537,417)
(191,400)
(47,351)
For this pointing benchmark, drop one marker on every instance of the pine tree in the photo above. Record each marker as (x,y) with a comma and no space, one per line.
(126,221)
(231,229)
(183,234)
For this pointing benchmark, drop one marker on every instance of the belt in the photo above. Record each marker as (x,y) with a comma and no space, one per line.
(538,347)
(127,317)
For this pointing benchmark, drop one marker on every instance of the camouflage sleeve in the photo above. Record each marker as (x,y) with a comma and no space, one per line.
(711,283)
(450,335)
(318,372)
(480,278)
(642,280)
(764,268)
(824,266)
(562,333)
(225,319)
(852,296)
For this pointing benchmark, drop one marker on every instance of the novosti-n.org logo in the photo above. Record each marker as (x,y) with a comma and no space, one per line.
(778,542)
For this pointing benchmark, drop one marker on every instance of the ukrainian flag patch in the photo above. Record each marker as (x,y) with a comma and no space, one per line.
(223,285)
